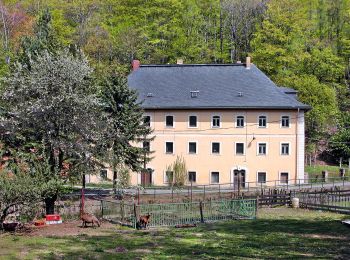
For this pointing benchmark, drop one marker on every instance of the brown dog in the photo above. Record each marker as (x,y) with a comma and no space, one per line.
(89,218)
(144,221)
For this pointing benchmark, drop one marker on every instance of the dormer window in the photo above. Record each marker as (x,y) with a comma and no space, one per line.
(194,93)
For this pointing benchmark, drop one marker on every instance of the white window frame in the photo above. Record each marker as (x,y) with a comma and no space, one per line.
(289,118)
(173,147)
(173,121)
(188,177)
(289,148)
(188,147)
(211,122)
(279,177)
(244,121)
(211,148)
(210,172)
(244,148)
(257,177)
(165,181)
(258,119)
(188,125)
(257,148)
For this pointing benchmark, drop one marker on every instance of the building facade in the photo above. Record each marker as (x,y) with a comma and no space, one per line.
(230,123)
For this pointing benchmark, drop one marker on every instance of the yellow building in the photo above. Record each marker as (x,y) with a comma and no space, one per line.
(230,123)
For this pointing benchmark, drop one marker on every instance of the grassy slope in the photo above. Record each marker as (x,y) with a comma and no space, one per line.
(317,170)
(277,233)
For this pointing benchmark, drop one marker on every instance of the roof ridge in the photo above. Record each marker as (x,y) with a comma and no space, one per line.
(194,65)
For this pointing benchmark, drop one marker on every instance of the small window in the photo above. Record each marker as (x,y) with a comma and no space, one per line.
(103,174)
(239,148)
(169,121)
(215,177)
(262,121)
(192,121)
(262,149)
(147,120)
(284,177)
(215,148)
(169,176)
(192,147)
(215,121)
(194,93)
(192,176)
(240,121)
(146,146)
(285,149)
(261,177)
(169,147)
(285,121)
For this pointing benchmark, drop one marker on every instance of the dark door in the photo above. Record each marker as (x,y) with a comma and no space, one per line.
(239,179)
(146,178)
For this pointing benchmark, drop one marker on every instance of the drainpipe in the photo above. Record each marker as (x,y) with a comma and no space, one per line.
(296,147)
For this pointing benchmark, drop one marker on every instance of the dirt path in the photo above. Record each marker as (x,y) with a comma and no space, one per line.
(71,228)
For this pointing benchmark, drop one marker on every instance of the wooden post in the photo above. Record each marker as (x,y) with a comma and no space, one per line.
(138,196)
(135,215)
(201,211)
(172,194)
(101,208)
(122,211)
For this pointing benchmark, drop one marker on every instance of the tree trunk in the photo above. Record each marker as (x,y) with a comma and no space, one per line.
(50,204)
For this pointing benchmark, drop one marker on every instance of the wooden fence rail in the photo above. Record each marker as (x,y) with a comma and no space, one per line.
(334,200)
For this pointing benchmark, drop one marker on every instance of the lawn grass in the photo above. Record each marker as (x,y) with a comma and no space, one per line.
(277,233)
(333,171)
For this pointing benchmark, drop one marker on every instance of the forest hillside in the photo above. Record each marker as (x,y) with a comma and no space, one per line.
(300,44)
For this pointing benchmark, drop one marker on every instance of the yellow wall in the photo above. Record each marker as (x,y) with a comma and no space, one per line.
(204,161)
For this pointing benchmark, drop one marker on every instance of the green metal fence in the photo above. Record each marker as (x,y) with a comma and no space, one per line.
(172,214)
(118,212)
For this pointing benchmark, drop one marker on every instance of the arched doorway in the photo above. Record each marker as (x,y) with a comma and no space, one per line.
(239,178)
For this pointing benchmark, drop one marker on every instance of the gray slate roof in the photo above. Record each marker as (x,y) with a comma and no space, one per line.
(170,86)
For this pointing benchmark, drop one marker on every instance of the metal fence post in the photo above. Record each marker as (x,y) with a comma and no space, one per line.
(101,208)
(201,211)
(191,190)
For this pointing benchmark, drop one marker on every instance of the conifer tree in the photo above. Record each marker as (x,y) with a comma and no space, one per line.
(126,129)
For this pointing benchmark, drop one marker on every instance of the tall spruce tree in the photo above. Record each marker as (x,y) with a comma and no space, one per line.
(126,128)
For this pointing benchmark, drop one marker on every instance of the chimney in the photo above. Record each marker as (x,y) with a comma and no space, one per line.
(135,64)
(179,61)
(247,63)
